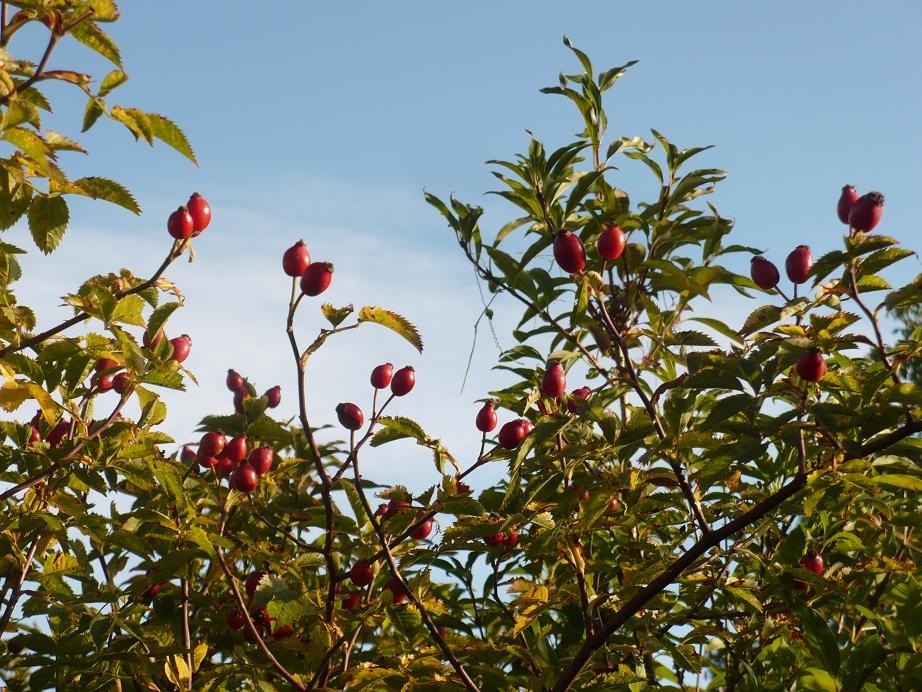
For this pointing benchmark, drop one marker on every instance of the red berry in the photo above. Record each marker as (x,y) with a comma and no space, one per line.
(554,382)
(866,212)
(486,418)
(120,382)
(512,434)
(422,531)
(811,366)
(152,341)
(235,620)
(200,211)
(611,243)
(153,590)
(211,444)
(350,416)
(180,224)
(798,264)
(235,381)
(510,539)
(381,376)
(105,382)
(569,252)
(35,435)
(225,465)
(273,396)
(398,593)
(207,462)
(188,455)
(106,364)
(848,197)
(577,397)
(181,347)
(613,506)
(245,478)
(252,583)
(404,381)
(261,459)
(812,562)
(527,426)
(352,600)
(493,539)
(236,449)
(361,574)
(395,507)
(59,432)
(296,259)
(316,278)
(764,273)
(238,402)
(381,511)
(283,631)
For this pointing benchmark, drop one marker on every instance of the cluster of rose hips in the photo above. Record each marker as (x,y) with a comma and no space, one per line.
(259,615)
(861,214)
(553,386)
(230,458)
(382,376)
(240,388)
(190,220)
(315,276)
(571,256)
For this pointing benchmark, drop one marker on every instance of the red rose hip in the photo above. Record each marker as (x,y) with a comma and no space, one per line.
(235,381)
(245,479)
(398,593)
(404,380)
(764,273)
(512,434)
(261,459)
(296,259)
(211,444)
(811,366)
(486,418)
(866,212)
(798,264)
(180,224)
(361,574)
(812,562)
(236,448)
(554,382)
(182,345)
(577,398)
(848,197)
(273,396)
(350,416)
(422,531)
(611,243)
(316,278)
(351,600)
(382,375)
(569,252)
(200,211)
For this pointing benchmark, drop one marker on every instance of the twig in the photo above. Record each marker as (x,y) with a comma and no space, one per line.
(186,635)
(17,587)
(251,628)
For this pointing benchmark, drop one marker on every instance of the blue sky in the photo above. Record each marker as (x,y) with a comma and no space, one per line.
(327,122)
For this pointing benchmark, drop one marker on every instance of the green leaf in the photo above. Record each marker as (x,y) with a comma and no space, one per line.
(112,80)
(394,322)
(48,217)
(105,189)
(95,107)
(136,122)
(899,480)
(169,133)
(31,144)
(335,316)
(59,142)
(96,39)
(820,637)
(398,428)
(760,318)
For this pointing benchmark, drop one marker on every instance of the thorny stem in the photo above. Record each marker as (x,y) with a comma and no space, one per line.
(17,587)
(424,613)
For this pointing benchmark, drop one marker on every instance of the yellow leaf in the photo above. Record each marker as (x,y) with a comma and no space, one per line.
(12,394)
(48,405)
(199,655)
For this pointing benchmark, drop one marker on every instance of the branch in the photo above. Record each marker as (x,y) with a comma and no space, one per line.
(427,620)
(175,251)
(251,628)
(17,587)
(37,75)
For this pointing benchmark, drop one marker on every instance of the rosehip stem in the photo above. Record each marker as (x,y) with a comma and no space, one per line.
(784,295)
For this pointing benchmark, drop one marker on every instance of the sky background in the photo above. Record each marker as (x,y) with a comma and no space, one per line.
(327,121)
